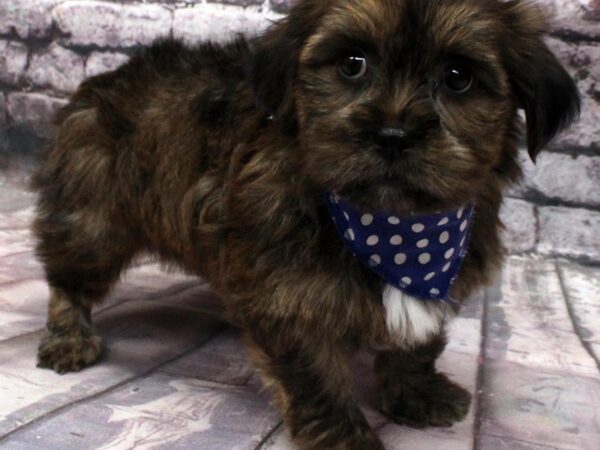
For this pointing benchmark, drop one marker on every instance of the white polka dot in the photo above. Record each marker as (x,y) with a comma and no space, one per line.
(444,237)
(462,243)
(346,216)
(400,259)
(393,220)
(434,291)
(423,243)
(424,258)
(463,225)
(460,213)
(444,221)
(449,253)
(396,240)
(373,240)
(406,280)
(366,219)
(429,276)
(374,260)
(350,234)
(446,267)
(418,227)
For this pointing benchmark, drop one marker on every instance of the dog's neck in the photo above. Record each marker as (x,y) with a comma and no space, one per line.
(419,254)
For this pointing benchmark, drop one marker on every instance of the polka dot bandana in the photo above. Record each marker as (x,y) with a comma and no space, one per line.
(420,255)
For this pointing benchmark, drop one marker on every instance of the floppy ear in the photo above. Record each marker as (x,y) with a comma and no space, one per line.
(545,91)
(275,62)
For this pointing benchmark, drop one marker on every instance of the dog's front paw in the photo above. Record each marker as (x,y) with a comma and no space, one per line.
(433,401)
(68,353)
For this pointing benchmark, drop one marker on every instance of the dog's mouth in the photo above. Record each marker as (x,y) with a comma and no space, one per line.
(399,170)
(403,186)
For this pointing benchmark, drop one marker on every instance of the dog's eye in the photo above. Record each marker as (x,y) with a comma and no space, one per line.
(353,66)
(457,78)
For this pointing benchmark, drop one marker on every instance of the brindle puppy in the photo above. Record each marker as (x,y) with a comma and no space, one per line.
(217,158)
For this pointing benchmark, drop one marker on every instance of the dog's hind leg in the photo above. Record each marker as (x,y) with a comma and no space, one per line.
(82,261)
(86,228)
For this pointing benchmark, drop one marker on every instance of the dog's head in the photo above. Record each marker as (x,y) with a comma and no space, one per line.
(411,104)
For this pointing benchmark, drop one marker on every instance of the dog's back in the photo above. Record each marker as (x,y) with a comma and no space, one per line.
(130,146)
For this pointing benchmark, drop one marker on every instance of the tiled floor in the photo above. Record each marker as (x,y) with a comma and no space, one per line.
(174,376)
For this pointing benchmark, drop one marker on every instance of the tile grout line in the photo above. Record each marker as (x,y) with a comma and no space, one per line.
(151,297)
(572,317)
(60,409)
(19,253)
(42,329)
(268,436)
(532,445)
(479,384)
(20,280)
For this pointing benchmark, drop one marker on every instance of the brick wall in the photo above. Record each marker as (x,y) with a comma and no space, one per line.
(47,47)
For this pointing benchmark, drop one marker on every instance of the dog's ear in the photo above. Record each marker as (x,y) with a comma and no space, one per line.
(274,64)
(545,91)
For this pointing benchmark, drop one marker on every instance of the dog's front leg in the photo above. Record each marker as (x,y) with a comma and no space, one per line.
(312,387)
(414,393)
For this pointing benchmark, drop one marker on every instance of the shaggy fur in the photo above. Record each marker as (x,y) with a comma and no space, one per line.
(216,159)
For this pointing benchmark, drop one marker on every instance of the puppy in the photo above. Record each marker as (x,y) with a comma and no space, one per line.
(337,181)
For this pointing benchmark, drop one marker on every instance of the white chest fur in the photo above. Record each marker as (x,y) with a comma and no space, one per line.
(412,321)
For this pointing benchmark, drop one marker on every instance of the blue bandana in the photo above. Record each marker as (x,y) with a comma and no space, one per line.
(420,255)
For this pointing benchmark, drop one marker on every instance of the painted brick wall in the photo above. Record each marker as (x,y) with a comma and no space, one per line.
(47,47)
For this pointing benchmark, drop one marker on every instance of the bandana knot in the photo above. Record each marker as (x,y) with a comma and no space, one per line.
(419,254)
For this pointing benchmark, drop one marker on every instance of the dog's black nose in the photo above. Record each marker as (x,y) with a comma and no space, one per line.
(392,142)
